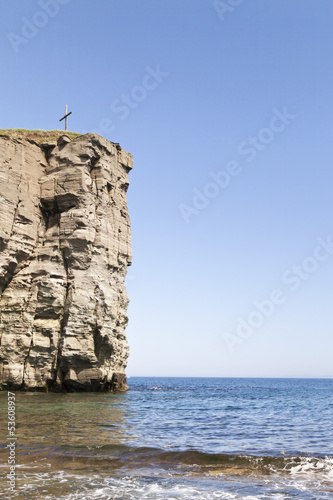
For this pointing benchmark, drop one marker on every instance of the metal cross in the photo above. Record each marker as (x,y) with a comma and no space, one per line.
(65,117)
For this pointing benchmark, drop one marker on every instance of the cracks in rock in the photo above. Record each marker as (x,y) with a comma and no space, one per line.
(44,224)
(56,371)
(93,165)
(96,186)
(13,269)
(47,150)
(98,341)
(26,362)
(8,276)
(93,162)
(16,257)
(97,201)
(104,351)
(97,143)
(15,217)
(19,201)
(46,215)
(102,348)
(25,307)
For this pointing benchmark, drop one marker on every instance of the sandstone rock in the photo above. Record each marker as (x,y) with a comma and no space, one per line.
(65,244)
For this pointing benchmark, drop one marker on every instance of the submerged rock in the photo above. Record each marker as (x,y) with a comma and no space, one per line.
(65,244)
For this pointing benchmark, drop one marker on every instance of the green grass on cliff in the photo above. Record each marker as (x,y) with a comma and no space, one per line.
(37,135)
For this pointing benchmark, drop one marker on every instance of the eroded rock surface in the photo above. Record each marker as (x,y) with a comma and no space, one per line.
(65,244)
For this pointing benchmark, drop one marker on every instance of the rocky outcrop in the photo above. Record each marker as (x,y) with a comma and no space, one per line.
(65,244)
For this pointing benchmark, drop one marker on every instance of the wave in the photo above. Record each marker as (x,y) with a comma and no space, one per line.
(306,465)
(128,473)
(238,464)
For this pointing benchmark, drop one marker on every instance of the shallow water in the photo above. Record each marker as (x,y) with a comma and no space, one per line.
(171,438)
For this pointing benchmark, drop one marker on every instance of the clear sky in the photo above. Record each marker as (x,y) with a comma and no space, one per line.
(227,109)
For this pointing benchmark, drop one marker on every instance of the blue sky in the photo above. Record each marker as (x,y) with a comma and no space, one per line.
(227,109)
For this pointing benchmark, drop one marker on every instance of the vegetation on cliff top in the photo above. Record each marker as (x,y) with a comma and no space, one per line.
(37,135)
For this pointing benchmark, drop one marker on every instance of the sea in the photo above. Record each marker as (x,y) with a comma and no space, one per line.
(174,438)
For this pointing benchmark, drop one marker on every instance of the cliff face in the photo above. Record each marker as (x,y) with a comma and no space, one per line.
(65,245)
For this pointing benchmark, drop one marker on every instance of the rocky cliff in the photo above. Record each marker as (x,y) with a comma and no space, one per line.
(65,244)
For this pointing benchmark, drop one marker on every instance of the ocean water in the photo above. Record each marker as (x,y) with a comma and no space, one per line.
(175,438)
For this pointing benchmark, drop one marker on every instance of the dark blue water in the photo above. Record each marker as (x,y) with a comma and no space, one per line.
(214,415)
(171,438)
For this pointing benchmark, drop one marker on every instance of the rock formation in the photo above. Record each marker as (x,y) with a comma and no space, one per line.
(65,244)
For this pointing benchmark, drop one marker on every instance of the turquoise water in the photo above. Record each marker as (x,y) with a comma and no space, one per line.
(172,438)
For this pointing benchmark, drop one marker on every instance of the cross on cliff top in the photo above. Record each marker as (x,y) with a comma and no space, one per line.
(65,117)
